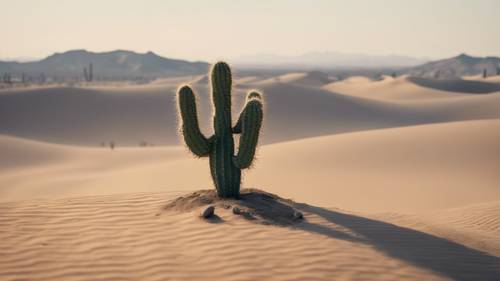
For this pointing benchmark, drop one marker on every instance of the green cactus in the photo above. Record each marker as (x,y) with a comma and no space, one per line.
(225,166)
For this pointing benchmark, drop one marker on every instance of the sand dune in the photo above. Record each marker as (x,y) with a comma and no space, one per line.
(400,89)
(309,79)
(129,115)
(18,152)
(393,89)
(130,237)
(89,116)
(458,85)
(422,167)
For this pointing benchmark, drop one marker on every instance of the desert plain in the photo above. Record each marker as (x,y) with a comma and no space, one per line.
(397,179)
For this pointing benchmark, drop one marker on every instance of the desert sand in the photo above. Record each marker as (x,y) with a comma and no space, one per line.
(399,181)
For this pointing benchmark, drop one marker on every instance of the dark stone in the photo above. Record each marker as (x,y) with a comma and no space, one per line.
(205,200)
(297,215)
(237,211)
(248,215)
(209,212)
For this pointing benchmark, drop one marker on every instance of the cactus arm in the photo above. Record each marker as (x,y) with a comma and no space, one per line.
(254,95)
(252,116)
(237,127)
(195,140)
(251,95)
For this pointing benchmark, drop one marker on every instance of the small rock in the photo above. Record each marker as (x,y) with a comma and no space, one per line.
(248,215)
(297,215)
(205,200)
(209,212)
(237,211)
(226,206)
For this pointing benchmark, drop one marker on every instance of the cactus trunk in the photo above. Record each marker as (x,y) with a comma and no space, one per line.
(226,176)
(225,167)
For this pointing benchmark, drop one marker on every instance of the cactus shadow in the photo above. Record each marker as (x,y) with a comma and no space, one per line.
(423,250)
(266,208)
(214,219)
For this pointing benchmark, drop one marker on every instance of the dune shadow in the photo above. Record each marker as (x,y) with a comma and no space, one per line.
(430,252)
(456,85)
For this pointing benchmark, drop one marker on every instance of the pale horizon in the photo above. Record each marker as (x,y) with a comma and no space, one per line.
(192,30)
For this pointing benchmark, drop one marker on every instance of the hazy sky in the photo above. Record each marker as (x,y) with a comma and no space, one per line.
(222,29)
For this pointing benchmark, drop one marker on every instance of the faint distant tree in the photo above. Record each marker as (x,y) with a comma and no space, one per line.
(89,74)
(485,73)
(498,70)
(437,74)
(7,78)
(112,145)
(394,75)
(42,78)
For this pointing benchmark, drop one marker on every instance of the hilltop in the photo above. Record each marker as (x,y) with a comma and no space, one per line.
(107,65)
(461,65)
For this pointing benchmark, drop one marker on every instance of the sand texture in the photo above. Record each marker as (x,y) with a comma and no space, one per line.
(131,237)
(394,179)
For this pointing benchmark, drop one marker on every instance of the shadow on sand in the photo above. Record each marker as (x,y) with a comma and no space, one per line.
(456,85)
(442,256)
(423,250)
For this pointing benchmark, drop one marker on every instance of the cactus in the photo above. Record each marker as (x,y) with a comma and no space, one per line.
(225,166)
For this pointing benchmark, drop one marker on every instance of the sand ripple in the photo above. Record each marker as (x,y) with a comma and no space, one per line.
(131,237)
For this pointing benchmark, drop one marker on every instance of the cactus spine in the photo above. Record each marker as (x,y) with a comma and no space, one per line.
(225,166)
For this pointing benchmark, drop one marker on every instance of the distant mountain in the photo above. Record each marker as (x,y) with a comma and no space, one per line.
(19,59)
(458,66)
(327,60)
(114,64)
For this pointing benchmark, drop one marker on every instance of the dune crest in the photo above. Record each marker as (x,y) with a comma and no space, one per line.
(298,111)
(455,162)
